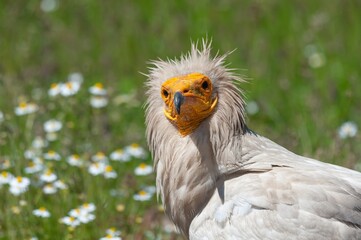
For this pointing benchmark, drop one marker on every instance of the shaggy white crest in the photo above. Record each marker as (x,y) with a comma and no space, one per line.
(224,181)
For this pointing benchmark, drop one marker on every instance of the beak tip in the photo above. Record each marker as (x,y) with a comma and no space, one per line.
(178,110)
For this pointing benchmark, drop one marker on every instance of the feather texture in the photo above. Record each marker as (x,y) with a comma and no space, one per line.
(224,181)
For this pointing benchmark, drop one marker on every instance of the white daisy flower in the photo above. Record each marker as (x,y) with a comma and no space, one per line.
(26,108)
(109,172)
(347,130)
(143,169)
(49,189)
(97,168)
(70,221)
(5,178)
(22,182)
(98,101)
(110,237)
(120,155)
(69,88)
(89,207)
(60,184)
(113,232)
(75,160)
(99,157)
(52,155)
(55,89)
(39,143)
(41,212)
(135,150)
(82,215)
(19,185)
(75,212)
(33,167)
(142,196)
(98,89)
(52,125)
(86,217)
(48,176)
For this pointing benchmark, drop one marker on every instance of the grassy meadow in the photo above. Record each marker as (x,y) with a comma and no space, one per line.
(74,162)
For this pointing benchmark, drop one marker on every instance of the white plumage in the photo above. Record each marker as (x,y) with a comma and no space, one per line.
(223,181)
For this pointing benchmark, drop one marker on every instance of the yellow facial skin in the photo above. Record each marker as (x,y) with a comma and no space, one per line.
(188,100)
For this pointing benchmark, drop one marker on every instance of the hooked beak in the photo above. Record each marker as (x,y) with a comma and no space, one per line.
(178,101)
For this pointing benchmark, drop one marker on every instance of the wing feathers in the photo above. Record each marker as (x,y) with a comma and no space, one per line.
(296,198)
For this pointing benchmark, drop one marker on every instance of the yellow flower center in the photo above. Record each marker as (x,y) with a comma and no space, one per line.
(53,85)
(48,173)
(142,193)
(51,152)
(23,105)
(71,219)
(100,154)
(99,85)
(42,209)
(75,156)
(69,85)
(108,168)
(134,145)
(4,174)
(19,179)
(143,165)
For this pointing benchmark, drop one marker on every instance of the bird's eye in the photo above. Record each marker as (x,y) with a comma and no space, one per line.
(165,93)
(205,85)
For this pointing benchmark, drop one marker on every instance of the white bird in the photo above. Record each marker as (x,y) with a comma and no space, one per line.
(220,180)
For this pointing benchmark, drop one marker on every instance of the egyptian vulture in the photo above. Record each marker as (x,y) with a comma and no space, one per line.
(220,180)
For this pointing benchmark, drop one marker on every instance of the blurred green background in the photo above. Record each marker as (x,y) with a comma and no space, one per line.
(301,59)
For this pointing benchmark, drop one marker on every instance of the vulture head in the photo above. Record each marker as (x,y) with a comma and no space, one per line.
(195,90)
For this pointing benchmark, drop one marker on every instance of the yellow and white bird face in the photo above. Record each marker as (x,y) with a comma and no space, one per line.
(188,101)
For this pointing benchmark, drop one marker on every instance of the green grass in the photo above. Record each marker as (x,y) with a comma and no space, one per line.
(300,107)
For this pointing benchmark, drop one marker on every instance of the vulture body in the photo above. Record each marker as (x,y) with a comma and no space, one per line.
(220,180)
